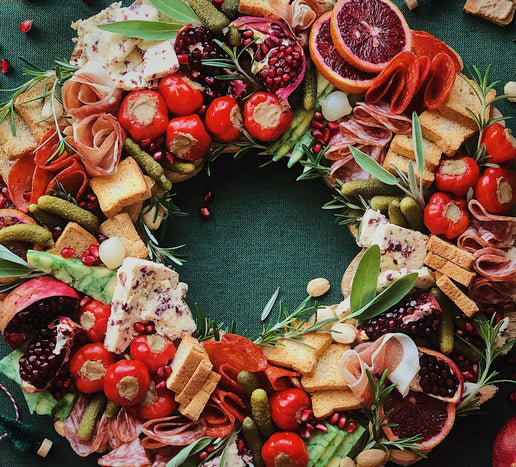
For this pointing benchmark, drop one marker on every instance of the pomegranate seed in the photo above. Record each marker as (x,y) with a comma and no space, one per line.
(25,26)
(3,202)
(85,301)
(247,33)
(467,374)
(182,59)
(139,327)
(202,110)
(217,3)
(208,197)
(160,373)
(318,115)
(317,148)
(67,252)
(240,445)
(101,238)
(145,142)
(247,41)
(169,157)
(512,397)
(326,135)
(161,385)
(342,421)
(167,369)
(90,260)
(320,427)
(204,213)
(149,328)
(5,65)
(469,327)
(351,427)
(94,249)
(317,134)
(317,125)
(202,455)
(306,415)
(333,126)
(334,419)
(157,155)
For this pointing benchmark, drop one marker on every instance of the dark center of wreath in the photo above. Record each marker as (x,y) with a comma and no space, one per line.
(266,230)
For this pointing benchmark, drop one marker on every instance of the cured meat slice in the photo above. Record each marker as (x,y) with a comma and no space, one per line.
(440,81)
(488,291)
(163,456)
(231,403)
(20,182)
(381,115)
(397,353)
(124,428)
(279,377)
(425,44)
(495,264)
(132,454)
(175,430)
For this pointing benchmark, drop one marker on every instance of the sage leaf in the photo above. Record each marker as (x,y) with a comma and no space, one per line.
(372,167)
(417,141)
(387,298)
(9,269)
(147,30)
(185,453)
(8,255)
(176,10)
(363,287)
(270,305)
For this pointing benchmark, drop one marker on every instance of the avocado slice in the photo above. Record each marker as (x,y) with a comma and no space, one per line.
(317,443)
(350,445)
(330,450)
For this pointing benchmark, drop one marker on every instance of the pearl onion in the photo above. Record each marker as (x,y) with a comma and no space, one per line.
(335,106)
(112,252)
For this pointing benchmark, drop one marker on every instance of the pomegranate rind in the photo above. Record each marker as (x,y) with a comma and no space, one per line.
(425,44)
(331,64)
(504,448)
(454,369)
(414,413)
(30,292)
(370,34)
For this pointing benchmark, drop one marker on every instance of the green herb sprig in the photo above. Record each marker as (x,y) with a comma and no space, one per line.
(313,164)
(167,256)
(12,265)
(207,328)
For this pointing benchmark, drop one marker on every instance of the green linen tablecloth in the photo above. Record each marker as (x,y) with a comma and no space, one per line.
(266,230)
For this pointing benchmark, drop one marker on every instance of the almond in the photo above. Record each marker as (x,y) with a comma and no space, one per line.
(318,287)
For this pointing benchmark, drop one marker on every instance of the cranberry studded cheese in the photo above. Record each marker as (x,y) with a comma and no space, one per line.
(147,291)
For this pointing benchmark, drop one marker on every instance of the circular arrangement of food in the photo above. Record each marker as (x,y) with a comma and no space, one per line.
(420,164)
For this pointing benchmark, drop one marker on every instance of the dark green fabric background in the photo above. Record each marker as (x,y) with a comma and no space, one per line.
(266,229)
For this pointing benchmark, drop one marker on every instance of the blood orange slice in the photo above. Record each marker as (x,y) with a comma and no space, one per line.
(331,64)
(425,44)
(369,34)
(418,414)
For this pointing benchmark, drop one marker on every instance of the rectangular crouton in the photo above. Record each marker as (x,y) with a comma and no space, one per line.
(188,355)
(125,187)
(404,146)
(121,226)
(324,403)
(195,382)
(500,12)
(458,274)
(37,113)
(402,163)
(16,146)
(74,236)
(467,306)
(463,97)
(194,409)
(327,372)
(446,134)
(6,165)
(135,209)
(447,250)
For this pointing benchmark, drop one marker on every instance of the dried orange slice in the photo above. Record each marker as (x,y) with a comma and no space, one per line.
(368,34)
(331,64)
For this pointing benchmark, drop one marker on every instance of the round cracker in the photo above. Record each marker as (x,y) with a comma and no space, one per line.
(347,278)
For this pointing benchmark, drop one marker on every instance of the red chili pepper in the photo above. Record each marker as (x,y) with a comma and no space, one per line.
(126,382)
(223,119)
(153,350)
(457,174)
(500,144)
(285,448)
(446,215)
(265,117)
(495,190)
(187,138)
(144,115)
(182,95)
(93,317)
(157,403)
(88,367)
(287,407)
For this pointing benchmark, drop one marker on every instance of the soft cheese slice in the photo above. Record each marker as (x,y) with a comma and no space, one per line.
(160,60)
(147,291)
(425,278)
(368,225)
(399,247)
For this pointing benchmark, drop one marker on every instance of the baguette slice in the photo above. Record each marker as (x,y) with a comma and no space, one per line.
(324,403)
(327,372)
(500,12)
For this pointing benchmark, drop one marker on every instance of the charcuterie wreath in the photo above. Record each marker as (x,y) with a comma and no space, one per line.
(418,161)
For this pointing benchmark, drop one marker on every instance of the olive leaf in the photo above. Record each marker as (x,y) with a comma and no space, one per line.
(417,139)
(12,265)
(363,287)
(185,453)
(372,167)
(270,305)
(176,10)
(147,30)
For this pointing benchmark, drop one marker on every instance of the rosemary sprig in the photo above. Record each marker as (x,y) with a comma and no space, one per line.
(377,422)
(61,192)
(291,326)
(166,256)
(353,207)
(163,205)
(481,87)
(486,376)
(207,328)
(312,163)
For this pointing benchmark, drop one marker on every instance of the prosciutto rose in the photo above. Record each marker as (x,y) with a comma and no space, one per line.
(99,139)
(91,91)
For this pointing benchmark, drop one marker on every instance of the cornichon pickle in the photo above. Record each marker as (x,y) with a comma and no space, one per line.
(309,85)
(46,218)
(230,8)
(181,167)
(261,412)
(212,18)
(27,233)
(412,212)
(381,202)
(91,415)
(248,382)
(368,188)
(395,214)
(447,326)
(112,409)
(69,211)
(147,163)
(253,440)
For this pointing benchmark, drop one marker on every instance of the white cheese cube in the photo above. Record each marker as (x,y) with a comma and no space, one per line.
(368,225)
(424,280)
(147,291)
(160,60)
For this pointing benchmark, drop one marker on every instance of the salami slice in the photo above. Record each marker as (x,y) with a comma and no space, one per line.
(20,182)
(73,178)
(425,44)
(218,422)
(279,377)
(231,403)
(440,81)
(485,290)
(132,454)
(124,428)
(495,264)
(173,431)
(40,183)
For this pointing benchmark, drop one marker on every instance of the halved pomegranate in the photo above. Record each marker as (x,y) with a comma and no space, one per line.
(504,448)
(418,414)
(439,377)
(47,353)
(32,305)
